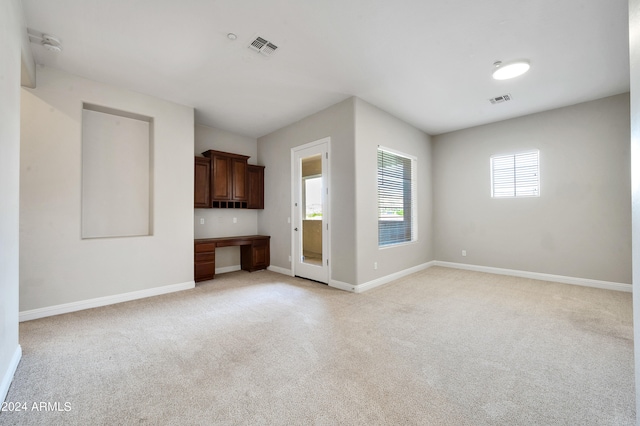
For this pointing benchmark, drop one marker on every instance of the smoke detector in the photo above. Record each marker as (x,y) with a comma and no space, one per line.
(500,99)
(49,42)
(263,46)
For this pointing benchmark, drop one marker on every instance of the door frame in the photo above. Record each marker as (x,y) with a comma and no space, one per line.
(326,216)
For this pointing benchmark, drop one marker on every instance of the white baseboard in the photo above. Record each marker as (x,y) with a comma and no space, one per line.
(608,285)
(11,371)
(343,286)
(228,269)
(388,278)
(283,271)
(102,301)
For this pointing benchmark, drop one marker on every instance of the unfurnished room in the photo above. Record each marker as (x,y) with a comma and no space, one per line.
(319,212)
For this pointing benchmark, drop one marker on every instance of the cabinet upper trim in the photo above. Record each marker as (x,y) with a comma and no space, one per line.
(210,153)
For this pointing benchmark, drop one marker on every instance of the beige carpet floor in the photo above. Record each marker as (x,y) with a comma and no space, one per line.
(439,347)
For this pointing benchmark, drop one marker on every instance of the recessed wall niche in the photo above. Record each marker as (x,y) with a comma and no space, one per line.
(117,173)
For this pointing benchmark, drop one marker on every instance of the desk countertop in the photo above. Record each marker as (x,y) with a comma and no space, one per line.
(234,238)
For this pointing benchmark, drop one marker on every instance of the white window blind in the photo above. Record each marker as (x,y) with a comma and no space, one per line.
(396,198)
(515,175)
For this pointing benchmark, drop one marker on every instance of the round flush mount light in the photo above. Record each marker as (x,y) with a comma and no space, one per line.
(505,71)
(232,36)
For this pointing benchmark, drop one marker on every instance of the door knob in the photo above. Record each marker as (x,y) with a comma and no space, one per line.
(295,229)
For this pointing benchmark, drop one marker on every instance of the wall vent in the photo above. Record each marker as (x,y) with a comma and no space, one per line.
(500,99)
(263,46)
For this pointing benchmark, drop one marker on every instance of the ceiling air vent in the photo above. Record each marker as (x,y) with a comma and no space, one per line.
(500,99)
(263,46)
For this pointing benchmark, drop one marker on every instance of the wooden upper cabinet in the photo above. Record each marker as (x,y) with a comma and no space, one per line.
(220,178)
(201,194)
(228,176)
(239,179)
(226,180)
(255,178)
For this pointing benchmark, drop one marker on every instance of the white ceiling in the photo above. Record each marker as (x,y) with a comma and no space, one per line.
(427,62)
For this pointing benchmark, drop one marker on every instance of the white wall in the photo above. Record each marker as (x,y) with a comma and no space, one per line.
(375,127)
(219,222)
(56,265)
(274,152)
(11,27)
(579,227)
(634,56)
(356,128)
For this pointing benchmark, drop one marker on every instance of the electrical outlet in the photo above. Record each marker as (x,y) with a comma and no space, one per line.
(235,220)
(375,265)
(289,258)
(464,252)
(202,221)
(288,220)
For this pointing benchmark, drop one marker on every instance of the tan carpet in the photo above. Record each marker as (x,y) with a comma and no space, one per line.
(441,347)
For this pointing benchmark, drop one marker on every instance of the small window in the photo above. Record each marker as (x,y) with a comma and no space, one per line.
(515,175)
(397,210)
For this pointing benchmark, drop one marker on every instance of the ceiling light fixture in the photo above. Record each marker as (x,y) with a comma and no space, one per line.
(232,36)
(510,69)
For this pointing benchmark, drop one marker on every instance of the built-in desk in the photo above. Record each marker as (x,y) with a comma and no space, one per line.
(254,254)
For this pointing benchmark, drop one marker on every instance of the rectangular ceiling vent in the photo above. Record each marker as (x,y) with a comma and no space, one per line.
(263,46)
(500,99)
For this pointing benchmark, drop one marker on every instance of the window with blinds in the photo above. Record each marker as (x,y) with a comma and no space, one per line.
(515,175)
(396,198)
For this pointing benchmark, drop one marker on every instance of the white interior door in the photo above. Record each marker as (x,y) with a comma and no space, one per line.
(311,211)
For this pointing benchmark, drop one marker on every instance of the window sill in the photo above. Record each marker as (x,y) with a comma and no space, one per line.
(406,243)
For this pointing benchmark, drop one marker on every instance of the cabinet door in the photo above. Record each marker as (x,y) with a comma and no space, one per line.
(204,261)
(239,179)
(201,191)
(220,178)
(255,177)
(261,256)
(255,256)
(204,271)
